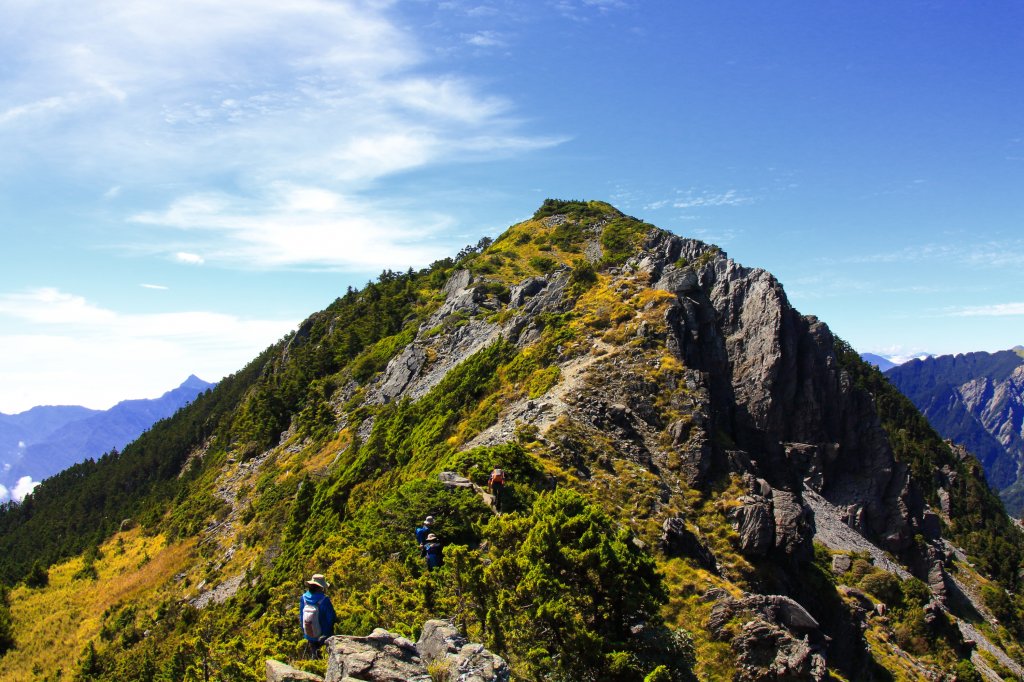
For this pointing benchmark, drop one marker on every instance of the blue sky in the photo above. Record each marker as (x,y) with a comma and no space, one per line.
(182,183)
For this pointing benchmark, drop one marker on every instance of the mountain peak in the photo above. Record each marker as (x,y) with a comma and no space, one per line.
(195,382)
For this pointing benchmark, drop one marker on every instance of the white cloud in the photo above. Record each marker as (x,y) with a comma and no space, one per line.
(23,487)
(306,226)
(73,352)
(995,310)
(51,306)
(326,95)
(5,494)
(21,446)
(157,287)
(694,199)
(200,93)
(189,258)
(962,251)
(486,39)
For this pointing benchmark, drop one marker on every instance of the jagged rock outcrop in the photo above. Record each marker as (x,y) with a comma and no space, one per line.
(778,638)
(774,384)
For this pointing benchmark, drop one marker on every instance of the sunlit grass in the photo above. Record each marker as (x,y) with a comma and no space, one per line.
(54,623)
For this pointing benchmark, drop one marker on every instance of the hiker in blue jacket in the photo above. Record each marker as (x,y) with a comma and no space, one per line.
(316,614)
(433,551)
(422,532)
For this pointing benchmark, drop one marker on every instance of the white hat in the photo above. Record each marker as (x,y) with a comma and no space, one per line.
(319,580)
(431,537)
(428,521)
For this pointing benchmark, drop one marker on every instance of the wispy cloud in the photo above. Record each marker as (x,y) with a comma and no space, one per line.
(694,198)
(189,258)
(157,287)
(66,347)
(995,310)
(486,39)
(252,96)
(305,226)
(961,251)
(711,199)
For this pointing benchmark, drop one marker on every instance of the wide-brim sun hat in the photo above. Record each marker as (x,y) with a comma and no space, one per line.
(431,537)
(428,521)
(319,580)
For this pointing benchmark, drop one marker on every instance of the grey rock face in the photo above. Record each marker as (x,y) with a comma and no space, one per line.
(386,657)
(768,652)
(754,520)
(378,657)
(774,384)
(440,641)
(779,640)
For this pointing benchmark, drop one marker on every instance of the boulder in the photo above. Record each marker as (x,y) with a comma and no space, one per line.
(841,563)
(528,288)
(780,640)
(794,525)
(378,657)
(467,662)
(768,652)
(474,663)
(677,540)
(452,480)
(279,672)
(755,523)
(438,640)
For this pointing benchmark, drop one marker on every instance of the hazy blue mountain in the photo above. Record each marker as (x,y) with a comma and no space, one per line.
(44,440)
(882,363)
(975,400)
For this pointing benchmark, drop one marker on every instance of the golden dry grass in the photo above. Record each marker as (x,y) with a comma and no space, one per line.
(54,623)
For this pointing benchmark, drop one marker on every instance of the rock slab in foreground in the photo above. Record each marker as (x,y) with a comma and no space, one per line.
(279,672)
(386,657)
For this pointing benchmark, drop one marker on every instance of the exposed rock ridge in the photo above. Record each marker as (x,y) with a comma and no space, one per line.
(776,386)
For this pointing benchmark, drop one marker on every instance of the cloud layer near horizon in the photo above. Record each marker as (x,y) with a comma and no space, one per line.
(69,347)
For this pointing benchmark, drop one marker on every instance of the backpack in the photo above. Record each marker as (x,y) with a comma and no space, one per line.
(497,477)
(311,620)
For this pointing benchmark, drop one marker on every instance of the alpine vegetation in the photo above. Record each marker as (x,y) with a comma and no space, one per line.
(586,450)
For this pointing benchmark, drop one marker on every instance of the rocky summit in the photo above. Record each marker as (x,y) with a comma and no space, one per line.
(701,483)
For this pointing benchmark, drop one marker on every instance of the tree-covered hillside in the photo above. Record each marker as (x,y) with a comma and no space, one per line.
(656,522)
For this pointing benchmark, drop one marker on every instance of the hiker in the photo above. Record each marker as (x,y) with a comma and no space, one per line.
(316,614)
(497,485)
(422,532)
(432,550)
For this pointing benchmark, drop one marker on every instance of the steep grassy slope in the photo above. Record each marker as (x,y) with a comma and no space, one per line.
(655,525)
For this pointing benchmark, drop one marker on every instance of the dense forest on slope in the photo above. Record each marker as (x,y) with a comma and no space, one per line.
(637,540)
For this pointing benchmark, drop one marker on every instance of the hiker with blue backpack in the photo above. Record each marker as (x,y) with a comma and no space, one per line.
(316,614)
(433,551)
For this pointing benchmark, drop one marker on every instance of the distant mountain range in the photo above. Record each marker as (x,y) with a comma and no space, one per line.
(975,400)
(884,364)
(44,440)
